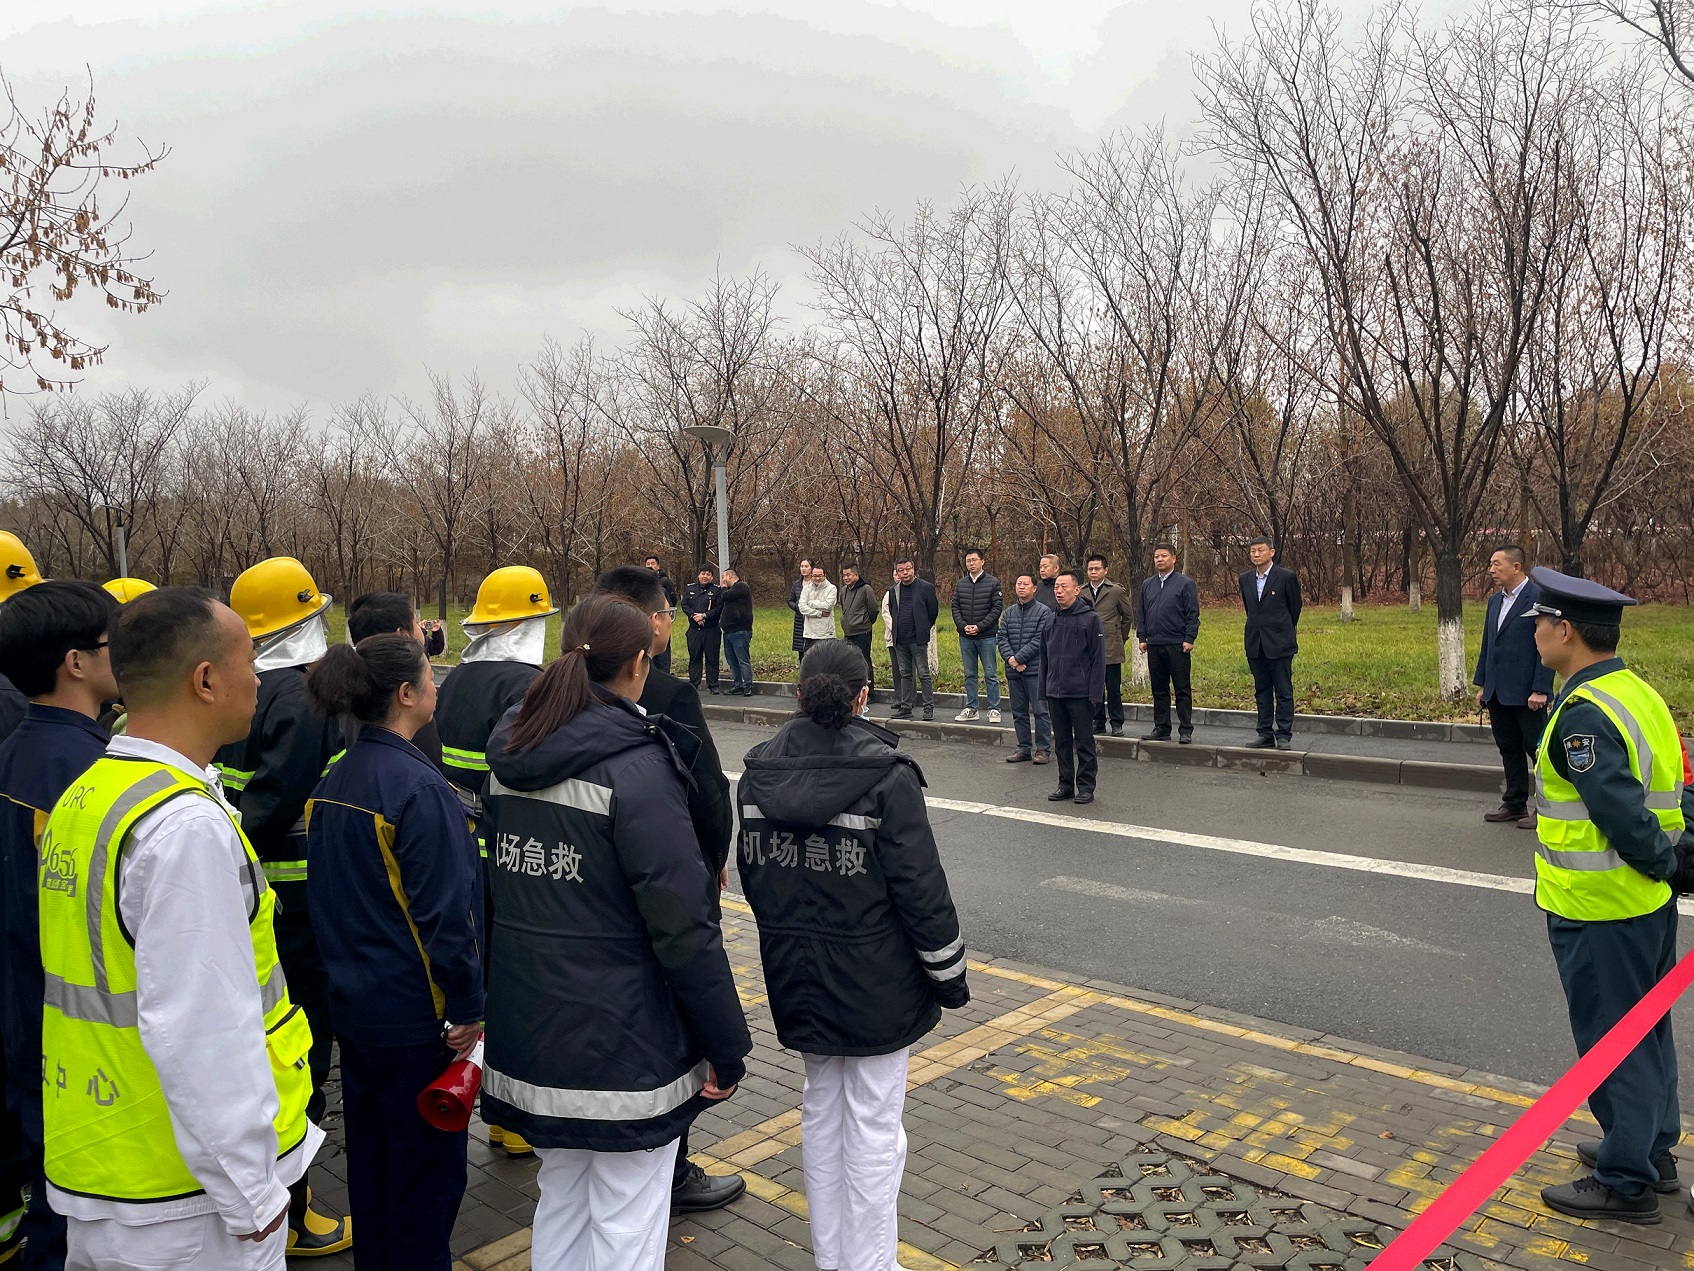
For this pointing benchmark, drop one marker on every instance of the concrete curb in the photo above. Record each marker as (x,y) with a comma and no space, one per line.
(1410,772)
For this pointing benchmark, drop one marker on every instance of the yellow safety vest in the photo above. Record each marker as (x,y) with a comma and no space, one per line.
(1578,874)
(108,1131)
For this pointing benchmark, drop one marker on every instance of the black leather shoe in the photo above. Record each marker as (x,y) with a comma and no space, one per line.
(1155,736)
(1502,814)
(701,1191)
(1262,743)
(929,715)
(1588,1197)
(1668,1185)
(1187,739)
(899,714)
(1285,743)
(1117,730)
(1060,795)
(1083,798)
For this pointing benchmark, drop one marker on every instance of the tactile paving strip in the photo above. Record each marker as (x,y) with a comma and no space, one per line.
(1156,1211)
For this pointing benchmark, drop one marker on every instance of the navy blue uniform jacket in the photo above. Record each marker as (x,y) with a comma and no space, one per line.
(45,753)
(396,886)
(1509,669)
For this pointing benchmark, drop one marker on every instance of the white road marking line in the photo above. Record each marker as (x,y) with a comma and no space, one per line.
(1333,929)
(1249,847)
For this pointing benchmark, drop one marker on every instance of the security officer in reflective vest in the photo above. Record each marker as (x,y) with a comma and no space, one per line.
(1610,787)
(268,778)
(508,643)
(173,1058)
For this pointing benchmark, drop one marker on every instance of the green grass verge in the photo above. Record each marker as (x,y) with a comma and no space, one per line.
(1381,664)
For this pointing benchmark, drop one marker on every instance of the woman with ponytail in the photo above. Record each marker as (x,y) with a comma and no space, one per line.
(859,938)
(612,1014)
(395,889)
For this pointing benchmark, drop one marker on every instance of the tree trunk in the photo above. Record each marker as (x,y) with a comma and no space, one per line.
(1450,624)
(1349,577)
(1139,675)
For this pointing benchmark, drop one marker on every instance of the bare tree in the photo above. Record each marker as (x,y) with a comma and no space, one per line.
(1422,172)
(712,361)
(913,315)
(440,458)
(1593,368)
(348,490)
(1666,23)
(54,233)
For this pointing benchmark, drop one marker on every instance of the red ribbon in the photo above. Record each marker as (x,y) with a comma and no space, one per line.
(1508,1152)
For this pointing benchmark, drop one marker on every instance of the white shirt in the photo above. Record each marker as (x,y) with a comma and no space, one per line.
(1511,598)
(200,1016)
(817,609)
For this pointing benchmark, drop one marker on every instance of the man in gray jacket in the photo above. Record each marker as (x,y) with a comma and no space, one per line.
(857,599)
(1021,628)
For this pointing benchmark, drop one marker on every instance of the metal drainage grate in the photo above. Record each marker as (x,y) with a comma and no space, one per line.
(1155,1211)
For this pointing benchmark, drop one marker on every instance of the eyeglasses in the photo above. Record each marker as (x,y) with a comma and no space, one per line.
(92,648)
(665,613)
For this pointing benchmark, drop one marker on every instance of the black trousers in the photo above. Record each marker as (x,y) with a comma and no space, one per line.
(703,648)
(862,642)
(1517,732)
(405,1178)
(1274,677)
(1168,665)
(1112,707)
(1606,968)
(1073,742)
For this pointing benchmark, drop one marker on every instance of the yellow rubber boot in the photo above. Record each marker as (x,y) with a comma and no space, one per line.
(514,1143)
(318,1235)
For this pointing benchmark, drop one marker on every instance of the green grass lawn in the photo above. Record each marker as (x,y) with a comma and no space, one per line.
(1381,664)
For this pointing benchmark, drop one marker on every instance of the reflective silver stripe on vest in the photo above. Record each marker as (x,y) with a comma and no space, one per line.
(951,973)
(1664,800)
(846,820)
(1643,752)
(1560,809)
(576,793)
(594,1105)
(153,783)
(91,1005)
(941,955)
(272,990)
(1586,862)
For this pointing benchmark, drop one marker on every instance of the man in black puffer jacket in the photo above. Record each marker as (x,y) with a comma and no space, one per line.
(859,938)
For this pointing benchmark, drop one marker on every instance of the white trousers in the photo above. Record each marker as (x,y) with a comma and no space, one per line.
(853,1150)
(201,1243)
(602,1211)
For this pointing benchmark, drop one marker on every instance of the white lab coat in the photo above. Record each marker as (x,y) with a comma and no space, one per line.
(200,1015)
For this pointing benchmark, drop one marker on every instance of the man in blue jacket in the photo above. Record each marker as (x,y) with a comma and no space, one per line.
(912,610)
(1021,628)
(53,642)
(1073,683)
(1167,623)
(1511,681)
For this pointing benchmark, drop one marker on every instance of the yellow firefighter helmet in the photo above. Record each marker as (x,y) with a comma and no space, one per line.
(510,595)
(274,595)
(17,566)
(127,589)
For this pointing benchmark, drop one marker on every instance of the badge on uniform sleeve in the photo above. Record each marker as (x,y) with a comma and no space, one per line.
(1579,751)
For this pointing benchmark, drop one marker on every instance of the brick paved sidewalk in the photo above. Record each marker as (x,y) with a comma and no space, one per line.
(1237,1143)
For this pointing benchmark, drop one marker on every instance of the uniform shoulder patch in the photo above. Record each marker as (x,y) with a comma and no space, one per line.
(1579,751)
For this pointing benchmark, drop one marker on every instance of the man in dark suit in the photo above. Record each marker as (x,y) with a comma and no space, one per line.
(677,704)
(1511,681)
(1271,596)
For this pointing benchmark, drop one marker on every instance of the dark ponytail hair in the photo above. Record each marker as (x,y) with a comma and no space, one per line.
(360,680)
(600,636)
(831,676)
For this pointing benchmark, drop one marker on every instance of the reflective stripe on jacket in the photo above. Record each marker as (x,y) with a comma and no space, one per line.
(1579,875)
(108,1130)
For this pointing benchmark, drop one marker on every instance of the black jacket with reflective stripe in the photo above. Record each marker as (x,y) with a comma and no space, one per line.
(269,776)
(613,991)
(471,701)
(857,931)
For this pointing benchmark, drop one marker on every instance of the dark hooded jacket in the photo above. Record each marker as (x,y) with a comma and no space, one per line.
(611,992)
(857,930)
(1073,654)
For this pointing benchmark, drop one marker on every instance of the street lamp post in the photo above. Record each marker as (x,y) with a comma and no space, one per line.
(717,442)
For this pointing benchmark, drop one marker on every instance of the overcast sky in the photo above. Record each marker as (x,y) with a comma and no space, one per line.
(358,191)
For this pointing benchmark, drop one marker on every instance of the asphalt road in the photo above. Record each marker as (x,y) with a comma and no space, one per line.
(1453,972)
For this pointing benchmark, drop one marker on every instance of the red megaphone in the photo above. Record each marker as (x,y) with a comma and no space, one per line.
(447,1102)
